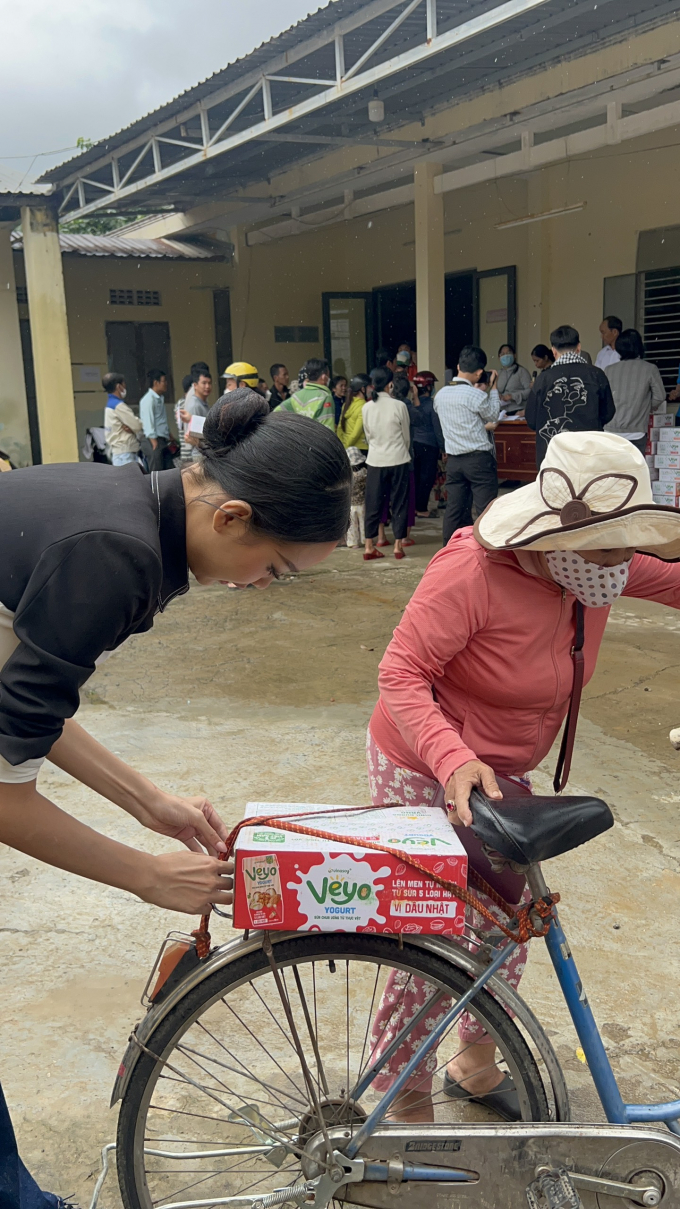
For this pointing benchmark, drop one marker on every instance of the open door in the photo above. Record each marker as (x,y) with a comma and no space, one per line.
(348,332)
(495,310)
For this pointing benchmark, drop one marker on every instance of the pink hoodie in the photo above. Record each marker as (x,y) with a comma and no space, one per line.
(480,665)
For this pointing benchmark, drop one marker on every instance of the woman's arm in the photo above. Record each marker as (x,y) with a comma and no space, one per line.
(658,389)
(405,422)
(192,820)
(178,881)
(521,395)
(447,608)
(652,579)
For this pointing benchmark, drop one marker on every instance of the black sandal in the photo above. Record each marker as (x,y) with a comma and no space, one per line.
(502,1100)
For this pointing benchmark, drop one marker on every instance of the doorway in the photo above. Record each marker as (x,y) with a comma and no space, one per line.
(134,348)
(348,332)
(480,308)
(395,314)
(394,307)
(495,311)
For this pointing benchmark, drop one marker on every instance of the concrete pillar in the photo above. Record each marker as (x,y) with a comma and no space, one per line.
(429,233)
(536,306)
(14,430)
(49,335)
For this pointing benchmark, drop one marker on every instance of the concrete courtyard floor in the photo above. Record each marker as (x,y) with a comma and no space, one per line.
(266,695)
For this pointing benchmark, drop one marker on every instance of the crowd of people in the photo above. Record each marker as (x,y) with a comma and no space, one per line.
(413,452)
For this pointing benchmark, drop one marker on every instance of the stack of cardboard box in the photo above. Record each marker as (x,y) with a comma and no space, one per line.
(663,458)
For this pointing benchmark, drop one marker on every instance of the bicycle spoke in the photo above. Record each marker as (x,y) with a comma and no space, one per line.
(267,1054)
(322,1080)
(369,1022)
(257,1081)
(243,1073)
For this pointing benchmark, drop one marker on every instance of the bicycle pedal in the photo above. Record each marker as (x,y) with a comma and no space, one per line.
(553,1189)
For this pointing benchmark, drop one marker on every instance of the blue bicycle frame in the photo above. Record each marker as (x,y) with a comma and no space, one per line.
(604,1079)
(617,1112)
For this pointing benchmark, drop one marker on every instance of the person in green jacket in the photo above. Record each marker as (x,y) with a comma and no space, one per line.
(351,425)
(314,399)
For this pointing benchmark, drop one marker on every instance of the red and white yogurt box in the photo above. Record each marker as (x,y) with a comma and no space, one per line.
(301,883)
(666,461)
(662,419)
(669,474)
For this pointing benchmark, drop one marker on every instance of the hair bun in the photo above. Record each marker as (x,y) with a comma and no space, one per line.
(232,419)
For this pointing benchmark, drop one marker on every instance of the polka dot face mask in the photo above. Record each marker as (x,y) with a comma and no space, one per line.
(590,583)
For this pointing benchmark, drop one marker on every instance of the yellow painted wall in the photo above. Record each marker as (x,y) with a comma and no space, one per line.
(561,262)
(187,306)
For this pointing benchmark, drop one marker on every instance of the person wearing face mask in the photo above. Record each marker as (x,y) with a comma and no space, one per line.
(121,425)
(514,381)
(406,361)
(470,698)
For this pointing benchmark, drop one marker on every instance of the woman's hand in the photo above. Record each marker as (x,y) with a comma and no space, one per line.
(461,784)
(182,881)
(192,821)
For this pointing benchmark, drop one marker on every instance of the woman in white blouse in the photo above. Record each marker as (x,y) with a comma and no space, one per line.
(388,431)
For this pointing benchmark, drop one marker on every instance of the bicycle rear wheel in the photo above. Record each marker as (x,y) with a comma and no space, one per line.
(254,1061)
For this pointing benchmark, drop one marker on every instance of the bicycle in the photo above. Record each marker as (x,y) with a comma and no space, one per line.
(250,1082)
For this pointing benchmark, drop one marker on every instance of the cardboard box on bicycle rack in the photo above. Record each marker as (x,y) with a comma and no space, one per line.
(292,882)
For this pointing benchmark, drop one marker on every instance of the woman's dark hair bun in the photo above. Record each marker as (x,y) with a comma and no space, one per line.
(292,470)
(232,419)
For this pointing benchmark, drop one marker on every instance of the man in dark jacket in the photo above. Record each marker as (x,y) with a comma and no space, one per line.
(570,396)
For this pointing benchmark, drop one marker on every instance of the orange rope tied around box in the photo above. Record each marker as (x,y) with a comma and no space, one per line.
(525,929)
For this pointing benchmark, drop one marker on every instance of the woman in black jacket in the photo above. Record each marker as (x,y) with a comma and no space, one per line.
(428,439)
(88,555)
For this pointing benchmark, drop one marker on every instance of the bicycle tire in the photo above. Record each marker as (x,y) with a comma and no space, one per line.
(300,951)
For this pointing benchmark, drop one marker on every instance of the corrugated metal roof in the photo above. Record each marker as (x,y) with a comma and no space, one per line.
(15,183)
(117,245)
(527,43)
(277,45)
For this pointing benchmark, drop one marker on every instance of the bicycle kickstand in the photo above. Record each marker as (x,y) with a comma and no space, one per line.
(553,1189)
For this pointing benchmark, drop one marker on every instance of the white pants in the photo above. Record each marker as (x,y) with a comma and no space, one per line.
(355,533)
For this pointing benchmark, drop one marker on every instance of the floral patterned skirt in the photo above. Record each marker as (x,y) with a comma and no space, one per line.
(405,994)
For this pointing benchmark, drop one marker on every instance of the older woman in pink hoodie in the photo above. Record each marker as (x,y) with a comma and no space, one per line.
(470,697)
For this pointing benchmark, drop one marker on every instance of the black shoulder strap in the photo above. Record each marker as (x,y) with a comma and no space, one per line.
(569,734)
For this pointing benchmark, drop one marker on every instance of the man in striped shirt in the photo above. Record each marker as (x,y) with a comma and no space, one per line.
(464,408)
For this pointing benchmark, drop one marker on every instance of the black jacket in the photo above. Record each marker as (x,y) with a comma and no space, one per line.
(568,397)
(426,428)
(88,555)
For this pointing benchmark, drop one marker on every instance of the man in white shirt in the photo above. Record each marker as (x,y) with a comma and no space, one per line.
(195,404)
(610,330)
(465,407)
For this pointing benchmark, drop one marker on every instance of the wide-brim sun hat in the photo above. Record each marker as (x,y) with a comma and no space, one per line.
(593,492)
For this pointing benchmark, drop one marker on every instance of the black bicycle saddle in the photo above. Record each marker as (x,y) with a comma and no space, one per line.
(527,829)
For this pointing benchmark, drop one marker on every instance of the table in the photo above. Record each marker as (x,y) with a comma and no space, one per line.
(516,451)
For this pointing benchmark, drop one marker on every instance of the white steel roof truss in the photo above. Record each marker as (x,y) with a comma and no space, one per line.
(355,79)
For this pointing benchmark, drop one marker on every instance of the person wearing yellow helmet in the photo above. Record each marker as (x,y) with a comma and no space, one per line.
(244,373)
